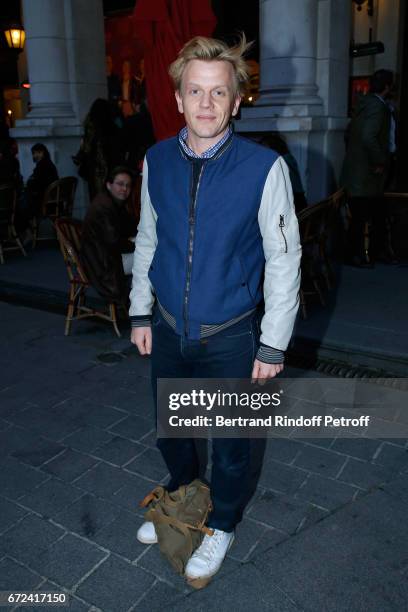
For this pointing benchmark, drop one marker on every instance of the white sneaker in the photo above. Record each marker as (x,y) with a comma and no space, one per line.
(208,558)
(147,533)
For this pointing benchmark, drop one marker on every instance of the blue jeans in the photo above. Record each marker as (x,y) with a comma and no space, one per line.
(228,354)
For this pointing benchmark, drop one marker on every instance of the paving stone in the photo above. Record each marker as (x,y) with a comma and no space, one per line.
(82,412)
(400,441)
(10,513)
(14,398)
(159,595)
(4,425)
(132,492)
(283,512)
(398,488)
(103,480)
(130,584)
(249,535)
(51,393)
(14,576)
(87,516)
(133,427)
(270,538)
(155,563)
(119,536)
(361,448)
(17,479)
(150,439)
(118,451)
(57,561)
(282,449)
(364,475)
(350,561)
(393,458)
(142,403)
(70,465)
(320,461)
(102,416)
(51,497)
(326,492)
(244,588)
(150,464)
(118,397)
(280,477)
(308,437)
(44,423)
(86,439)
(15,439)
(38,452)
(26,540)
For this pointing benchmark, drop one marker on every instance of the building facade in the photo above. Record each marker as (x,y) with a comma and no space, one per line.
(305,72)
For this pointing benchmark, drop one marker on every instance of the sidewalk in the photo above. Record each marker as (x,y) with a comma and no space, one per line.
(325,532)
(364,323)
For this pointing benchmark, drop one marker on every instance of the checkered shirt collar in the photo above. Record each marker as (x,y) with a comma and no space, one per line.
(209,152)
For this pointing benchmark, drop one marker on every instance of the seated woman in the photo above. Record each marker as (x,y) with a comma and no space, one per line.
(106,235)
(43,175)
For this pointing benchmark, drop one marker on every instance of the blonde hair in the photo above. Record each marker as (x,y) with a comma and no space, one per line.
(211,49)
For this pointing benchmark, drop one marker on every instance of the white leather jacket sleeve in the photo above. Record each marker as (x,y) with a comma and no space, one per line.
(141,295)
(280,233)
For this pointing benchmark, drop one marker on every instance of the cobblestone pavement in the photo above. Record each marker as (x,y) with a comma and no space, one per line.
(326,529)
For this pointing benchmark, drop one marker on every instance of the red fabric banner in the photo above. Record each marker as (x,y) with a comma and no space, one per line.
(164,26)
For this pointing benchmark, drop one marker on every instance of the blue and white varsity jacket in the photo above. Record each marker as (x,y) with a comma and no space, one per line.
(216,236)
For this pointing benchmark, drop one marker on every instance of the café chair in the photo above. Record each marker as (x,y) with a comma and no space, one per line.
(69,237)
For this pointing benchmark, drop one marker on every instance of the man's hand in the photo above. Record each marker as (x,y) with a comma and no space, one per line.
(142,337)
(263,371)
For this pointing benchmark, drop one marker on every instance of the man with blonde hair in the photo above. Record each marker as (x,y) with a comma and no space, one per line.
(217,235)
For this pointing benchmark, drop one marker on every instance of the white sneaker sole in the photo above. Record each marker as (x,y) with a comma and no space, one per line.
(144,541)
(200,582)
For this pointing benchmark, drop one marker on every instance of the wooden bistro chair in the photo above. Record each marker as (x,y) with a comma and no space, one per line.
(330,221)
(69,237)
(58,201)
(311,228)
(9,238)
(317,224)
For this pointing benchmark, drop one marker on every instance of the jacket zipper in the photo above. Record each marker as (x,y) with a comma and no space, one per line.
(282,225)
(191,222)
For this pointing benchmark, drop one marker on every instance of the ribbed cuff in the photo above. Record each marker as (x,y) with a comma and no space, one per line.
(268,354)
(140,321)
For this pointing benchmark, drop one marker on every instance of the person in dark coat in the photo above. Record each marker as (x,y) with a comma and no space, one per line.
(365,168)
(43,175)
(9,165)
(108,226)
(101,148)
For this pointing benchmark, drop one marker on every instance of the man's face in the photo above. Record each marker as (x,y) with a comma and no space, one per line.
(121,187)
(207,99)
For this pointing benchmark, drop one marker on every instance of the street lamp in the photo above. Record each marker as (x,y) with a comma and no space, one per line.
(15,37)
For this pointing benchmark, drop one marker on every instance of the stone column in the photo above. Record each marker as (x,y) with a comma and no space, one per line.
(288,44)
(66,70)
(44,23)
(86,53)
(304,85)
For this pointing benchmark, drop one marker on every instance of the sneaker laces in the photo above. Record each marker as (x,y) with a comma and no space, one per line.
(209,545)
